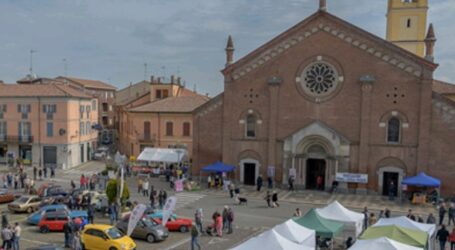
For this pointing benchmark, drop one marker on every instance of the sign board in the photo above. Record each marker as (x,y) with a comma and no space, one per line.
(168,209)
(271,171)
(179,186)
(352,177)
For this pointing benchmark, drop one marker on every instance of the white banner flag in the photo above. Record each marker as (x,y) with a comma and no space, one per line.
(135,216)
(168,209)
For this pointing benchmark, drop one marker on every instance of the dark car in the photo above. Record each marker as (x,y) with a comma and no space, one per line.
(145,229)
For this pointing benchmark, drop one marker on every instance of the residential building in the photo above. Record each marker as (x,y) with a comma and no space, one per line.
(158,117)
(325,98)
(47,124)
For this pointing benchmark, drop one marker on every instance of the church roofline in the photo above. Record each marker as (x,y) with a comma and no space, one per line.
(243,62)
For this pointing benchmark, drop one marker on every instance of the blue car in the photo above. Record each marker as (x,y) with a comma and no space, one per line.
(158,214)
(34,218)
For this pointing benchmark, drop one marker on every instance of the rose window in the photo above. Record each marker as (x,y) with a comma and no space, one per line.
(319,79)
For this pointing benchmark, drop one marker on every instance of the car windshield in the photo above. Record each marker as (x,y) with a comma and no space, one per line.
(22,200)
(114,233)
(149,223)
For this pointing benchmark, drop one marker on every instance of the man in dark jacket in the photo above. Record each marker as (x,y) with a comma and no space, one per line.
(90,213)
(259,183)
(68,231)
(442,213)
(452,214)
(230,219)
(442,236)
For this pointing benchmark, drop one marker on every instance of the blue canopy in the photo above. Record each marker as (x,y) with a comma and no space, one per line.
(218,167)
(422,180)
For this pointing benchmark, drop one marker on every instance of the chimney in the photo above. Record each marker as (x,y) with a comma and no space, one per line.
(152,79)
(172,79)
(158,80)
(179,80)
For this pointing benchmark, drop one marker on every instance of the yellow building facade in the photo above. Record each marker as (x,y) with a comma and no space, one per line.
(406,24)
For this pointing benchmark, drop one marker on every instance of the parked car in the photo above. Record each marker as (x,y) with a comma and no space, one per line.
(50,189)
(157,214)
(101,153)
(101,202)
(176,224)
(25,203)
(53,221)
(145,229)
(103,237)
(34,218)
(6,196)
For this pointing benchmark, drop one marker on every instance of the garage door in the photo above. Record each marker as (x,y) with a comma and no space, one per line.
(50,156)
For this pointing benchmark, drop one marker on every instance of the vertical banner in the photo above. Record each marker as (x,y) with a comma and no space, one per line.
(135,216)
(179,186)
(168,209)
(121,183)
(271,171)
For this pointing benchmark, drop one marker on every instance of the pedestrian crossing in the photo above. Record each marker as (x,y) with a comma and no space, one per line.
(184,199)
(249,192)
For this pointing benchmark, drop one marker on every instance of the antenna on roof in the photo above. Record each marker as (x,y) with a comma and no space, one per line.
(31,61)
(145,71)
(65,67)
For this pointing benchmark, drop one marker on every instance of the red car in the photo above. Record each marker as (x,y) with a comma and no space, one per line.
(177,224)
(52,221)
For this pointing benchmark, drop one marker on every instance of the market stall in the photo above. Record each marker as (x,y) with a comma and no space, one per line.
(381,244)
(296,233)
(420,186)
(353,221)
(403,235)
(270,240)
(166,155)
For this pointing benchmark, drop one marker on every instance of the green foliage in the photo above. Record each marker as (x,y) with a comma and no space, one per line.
(111,191)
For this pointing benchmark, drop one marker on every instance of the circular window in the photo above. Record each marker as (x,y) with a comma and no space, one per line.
(319,79)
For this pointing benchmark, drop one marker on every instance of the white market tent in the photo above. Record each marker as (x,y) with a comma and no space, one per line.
(166,155)
(296,233)
(270,240)
(381,244)
(353,221)
(405,222)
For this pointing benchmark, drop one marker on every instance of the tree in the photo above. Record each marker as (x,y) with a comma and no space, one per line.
(111,192)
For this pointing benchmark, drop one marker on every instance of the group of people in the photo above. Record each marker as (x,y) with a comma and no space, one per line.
(71,231)
(89,182)
(42,172)
(215,181)
(272,199)
(147,190)
(19,181)
(11,236)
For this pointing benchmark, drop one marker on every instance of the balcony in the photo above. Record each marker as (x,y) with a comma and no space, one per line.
(16,138)
(147,138)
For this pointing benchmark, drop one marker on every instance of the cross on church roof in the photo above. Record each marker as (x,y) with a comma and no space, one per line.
(323,5)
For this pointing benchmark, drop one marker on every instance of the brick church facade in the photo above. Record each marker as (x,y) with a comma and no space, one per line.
(326,97)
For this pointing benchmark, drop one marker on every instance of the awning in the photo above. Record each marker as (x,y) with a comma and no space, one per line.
(218,167)
(167,155)
(352,221)
(406,236)
(296,233)
(324,228)
(422,180)
(270,240)
(381,244)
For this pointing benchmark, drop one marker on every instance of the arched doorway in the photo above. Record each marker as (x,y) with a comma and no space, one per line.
(249,171)
(316,167)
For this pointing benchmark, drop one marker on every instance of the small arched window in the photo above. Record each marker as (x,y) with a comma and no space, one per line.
(250,126)
(393,130)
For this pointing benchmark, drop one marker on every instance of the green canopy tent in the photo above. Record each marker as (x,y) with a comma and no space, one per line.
(404,235)
(324,228)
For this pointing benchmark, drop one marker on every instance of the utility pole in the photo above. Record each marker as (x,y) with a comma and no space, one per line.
(31,61)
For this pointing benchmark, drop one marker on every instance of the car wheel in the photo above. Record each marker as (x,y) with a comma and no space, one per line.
(112,248)
(44,229)
(30,210)
(150,238)
(183,229)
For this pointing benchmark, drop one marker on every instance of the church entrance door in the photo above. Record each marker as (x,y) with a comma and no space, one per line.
(388,178)
(249,174)
(315,174)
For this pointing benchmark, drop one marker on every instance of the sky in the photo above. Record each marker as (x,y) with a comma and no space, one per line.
(110,40)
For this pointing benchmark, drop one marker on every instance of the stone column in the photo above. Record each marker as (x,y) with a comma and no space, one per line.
(274,86)
(366,82)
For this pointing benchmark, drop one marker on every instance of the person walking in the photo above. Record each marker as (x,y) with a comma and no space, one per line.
(5,222)
(231,189)
(77,241)
(452,239)
(224,216)
(87,182)
(34,172)
(442,236)
(451,214)
(45,172)
(145,188)
(7,236)
(209,181)
(195,237)
(268,198)
(391,191)
(16,181)
(152,197)
(372,219)
(219,225)
(365,218)
(17,235)
(198,218)
(139,185)
(297,213)
(52,172)
(82,182)
(319,182)
(90,213)
(259,183)
(291,183)
(442,213)
(275,199)
(40,174)
(270,182)
(230,220)
(68,231)
(112,213)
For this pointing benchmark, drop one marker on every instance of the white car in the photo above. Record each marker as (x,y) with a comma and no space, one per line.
(101,153)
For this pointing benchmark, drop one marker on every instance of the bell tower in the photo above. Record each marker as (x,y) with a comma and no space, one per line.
(406,24)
